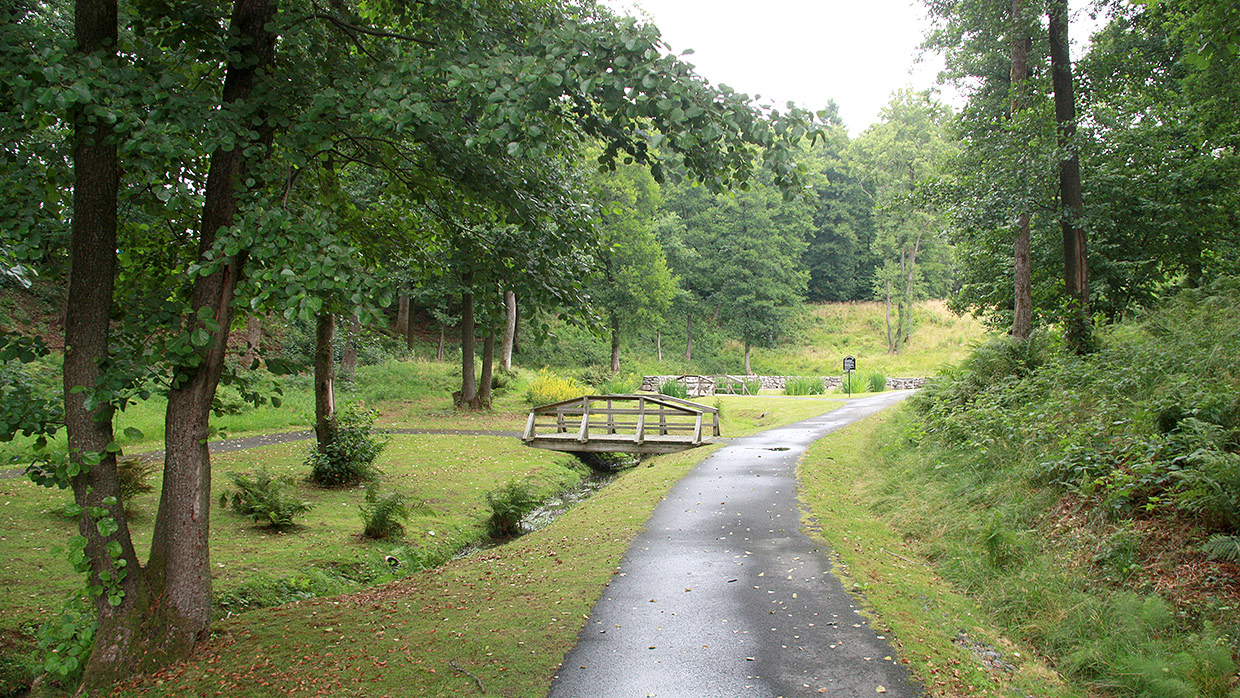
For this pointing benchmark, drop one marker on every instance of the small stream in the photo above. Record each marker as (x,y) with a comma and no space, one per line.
(559,504)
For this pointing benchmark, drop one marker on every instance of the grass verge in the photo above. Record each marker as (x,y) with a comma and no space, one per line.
(950,643)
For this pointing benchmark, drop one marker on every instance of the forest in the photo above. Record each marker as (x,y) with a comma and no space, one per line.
(501,172)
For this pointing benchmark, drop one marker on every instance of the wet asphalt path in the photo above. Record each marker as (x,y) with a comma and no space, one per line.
(722,595)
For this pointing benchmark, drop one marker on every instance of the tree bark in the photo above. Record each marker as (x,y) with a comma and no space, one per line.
(689,336)
(179,565)
(658,345)
(348,358)
(748,369)
(615,344)
(88,422)
(484,382)
(1072,205)
(1022,262)
(324,381)
(469,384)
(253,336)
(402,314)
(510,330)
(443,331)
(411,333)
(890,339)
(906,320)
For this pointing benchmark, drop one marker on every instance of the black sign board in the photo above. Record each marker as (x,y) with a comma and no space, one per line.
(850,364)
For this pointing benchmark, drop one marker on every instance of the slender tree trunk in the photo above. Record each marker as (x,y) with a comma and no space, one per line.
(748,369)
(1022,262)
(411,333)
(324,381)
(1076,268)
(443,332)
(910,279)
(890,339)
(92,278)
(615,343)
(253,335)
(510,330)
(179,565)
(658,345)
(484,382)
(348,358)
(688,336)
(402,314)
(516,335)
(469,384)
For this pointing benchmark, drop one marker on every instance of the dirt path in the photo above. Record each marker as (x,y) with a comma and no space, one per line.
(722,595)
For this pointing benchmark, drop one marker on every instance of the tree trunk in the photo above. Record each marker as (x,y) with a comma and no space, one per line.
(443,331)
(324,381)
(484,382)
(253,335)
(1072,205)
(179,565)
(890,340)
(615,344)
(658,345)
(92,280)
(510,330)
(348,358)
(469,385)
(910,278)
(689,337)
(1022,262)
(748,369)
(411,333)
(402,314)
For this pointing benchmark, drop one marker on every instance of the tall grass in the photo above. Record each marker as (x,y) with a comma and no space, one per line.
(804,386)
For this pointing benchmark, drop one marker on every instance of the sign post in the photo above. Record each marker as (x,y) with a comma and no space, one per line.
(850,365)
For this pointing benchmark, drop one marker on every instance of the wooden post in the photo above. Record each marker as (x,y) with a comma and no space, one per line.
(697,429)
(640,436)
(662,420)
(529,428)
(584,433)
(559,420)
(611,419)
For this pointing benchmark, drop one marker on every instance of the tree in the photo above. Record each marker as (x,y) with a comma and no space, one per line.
(903,158)
(633,286)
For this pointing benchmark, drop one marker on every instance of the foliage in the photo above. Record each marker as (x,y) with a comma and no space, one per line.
(620,384)
(509,504)
(263,497)
(875,381)
(804,386)
(383,515)
(549,388)
(133,477)
(674,388)
(66,639)
(350,457)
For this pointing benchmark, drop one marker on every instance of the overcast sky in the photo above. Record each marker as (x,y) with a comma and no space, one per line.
(856,52)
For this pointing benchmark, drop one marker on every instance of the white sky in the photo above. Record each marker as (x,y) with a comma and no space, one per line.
(856,52)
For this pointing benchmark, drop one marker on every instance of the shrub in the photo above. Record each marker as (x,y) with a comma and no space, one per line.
(66,640)
(350,458)
(383,515)
(509,504)
(619,384)
(875,381)
(674,388)
(804,386)
(133,474)
(549,387)
(262,497)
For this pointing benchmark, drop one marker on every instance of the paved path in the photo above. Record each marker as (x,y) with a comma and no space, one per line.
(722,595)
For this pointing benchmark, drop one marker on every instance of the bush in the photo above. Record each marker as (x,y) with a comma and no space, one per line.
(674,388)
(619,384)
(875,381)
(133,474)
(350,458)
(804,386)
(383,516)
(509,504)
(262,497)
(66,640)
(548,388)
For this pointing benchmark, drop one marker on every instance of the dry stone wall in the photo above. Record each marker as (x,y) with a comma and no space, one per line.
(708,385)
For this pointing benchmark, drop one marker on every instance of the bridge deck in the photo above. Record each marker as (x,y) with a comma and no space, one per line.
(621,424)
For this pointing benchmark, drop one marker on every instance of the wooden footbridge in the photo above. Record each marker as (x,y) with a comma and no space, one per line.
(621,424)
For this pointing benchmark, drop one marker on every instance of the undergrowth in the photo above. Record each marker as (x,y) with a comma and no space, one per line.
(1088,494)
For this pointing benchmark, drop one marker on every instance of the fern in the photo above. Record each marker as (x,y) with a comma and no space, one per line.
(383,516)
(1223,547)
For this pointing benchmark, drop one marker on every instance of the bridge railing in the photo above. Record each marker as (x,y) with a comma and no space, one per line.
(623,419)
